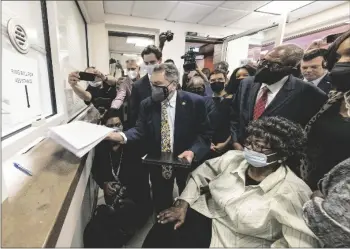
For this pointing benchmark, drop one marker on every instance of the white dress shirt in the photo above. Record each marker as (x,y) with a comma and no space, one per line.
(274,89)
(316,81)
(266,215)
(171,109)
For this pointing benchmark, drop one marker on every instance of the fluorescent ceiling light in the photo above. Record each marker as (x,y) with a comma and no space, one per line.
(280,7)
(139,41)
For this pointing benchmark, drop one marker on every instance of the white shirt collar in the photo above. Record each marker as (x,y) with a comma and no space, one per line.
(317,81)
(274,88)
(172,101)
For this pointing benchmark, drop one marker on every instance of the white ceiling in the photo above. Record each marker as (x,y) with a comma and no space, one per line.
(232,14)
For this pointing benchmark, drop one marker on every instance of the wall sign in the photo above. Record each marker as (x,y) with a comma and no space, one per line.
(20,87)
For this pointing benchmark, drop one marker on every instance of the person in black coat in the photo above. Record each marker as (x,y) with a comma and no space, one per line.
(170,121)
(313,68)
(274,91)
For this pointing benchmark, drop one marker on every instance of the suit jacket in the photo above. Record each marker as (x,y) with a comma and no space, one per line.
(192,130)
(325,84)
(297,101)
(141,90)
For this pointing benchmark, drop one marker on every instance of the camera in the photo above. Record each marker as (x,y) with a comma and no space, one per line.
(166,36)
(189,60)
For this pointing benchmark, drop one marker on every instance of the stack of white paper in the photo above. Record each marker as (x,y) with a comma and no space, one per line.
(79,137)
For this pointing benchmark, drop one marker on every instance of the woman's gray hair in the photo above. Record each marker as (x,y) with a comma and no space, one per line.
(171,73)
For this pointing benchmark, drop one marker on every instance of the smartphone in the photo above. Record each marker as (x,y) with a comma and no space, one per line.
(87,76)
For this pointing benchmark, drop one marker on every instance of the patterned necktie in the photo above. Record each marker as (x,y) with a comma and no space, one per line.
(167,171)
(261,103)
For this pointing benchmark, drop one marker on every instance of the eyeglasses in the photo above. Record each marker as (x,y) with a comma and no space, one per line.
(250,144)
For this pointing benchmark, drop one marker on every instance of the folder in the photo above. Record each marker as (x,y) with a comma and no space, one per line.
(79,137)
(166,158)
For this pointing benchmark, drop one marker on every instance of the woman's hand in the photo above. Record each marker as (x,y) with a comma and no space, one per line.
(109,189)
(176,214)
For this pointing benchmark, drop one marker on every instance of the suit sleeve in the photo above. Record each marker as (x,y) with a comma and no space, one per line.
(205,132)
(235,114)
(134,105)
(138,132)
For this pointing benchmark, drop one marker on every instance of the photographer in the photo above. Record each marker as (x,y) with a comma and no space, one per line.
(126,191)
(99,92)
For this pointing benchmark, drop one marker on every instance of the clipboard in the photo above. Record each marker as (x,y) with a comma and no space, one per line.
(166,158)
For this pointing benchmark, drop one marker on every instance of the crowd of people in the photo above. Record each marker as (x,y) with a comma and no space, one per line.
(269,149)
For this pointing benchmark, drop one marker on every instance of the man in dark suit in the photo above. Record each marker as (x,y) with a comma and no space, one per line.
(274,91)
(141,89)
(170,121)
(313,69)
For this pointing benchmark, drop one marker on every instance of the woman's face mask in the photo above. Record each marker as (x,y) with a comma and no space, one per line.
(257,159)
(160,93)
(340,76)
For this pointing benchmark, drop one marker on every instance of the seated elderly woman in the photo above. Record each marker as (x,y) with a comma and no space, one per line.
(247,198)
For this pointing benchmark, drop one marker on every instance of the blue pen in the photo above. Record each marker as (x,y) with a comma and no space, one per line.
(25,171)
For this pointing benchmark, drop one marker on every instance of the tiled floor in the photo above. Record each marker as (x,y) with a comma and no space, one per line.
(137,240)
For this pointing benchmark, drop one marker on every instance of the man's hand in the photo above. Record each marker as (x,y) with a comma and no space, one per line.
(188,155)
(238,146)
(108,188)
(174,214)
(115,137)
(99,75)
(212,147)
(73,78)
(220,147)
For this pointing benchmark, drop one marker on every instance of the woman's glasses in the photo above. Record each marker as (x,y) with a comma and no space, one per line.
(257,146)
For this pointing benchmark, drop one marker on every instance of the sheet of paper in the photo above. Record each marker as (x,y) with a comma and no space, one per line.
(79,137)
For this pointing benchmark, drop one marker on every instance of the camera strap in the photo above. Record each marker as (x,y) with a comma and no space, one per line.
(115,171)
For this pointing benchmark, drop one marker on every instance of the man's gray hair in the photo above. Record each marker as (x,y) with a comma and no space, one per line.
(171,73)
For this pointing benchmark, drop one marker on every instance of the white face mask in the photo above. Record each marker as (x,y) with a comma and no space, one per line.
(95,84)
(149,69)
(256,159)
(132,74)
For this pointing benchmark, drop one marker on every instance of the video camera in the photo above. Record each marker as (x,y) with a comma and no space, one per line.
(163,37)
(189,60)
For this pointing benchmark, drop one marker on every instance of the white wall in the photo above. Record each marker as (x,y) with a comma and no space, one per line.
(237,50)
(174,49)
(322,19)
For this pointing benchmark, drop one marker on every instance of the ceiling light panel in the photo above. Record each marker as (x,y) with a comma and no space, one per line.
(244,5)
(222,17)
(189,12)
(280,7)
(207,3)
(118,7)
(313,8)
(255,20)
(153,9)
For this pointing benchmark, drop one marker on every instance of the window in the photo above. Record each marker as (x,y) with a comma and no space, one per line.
(73,49)
(28,92)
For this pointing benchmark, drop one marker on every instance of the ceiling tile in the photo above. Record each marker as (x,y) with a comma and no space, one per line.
(312,9)
(207,3)
(153,9)
(244,5)
(222,17)
(117,7)
(254,20)
(189,12)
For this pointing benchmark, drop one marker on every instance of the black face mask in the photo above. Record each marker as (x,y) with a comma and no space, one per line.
(198,91)
(159,93)
(340,76)
(217,87)
(265,75)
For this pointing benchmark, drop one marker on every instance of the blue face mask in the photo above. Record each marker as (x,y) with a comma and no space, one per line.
(257,159)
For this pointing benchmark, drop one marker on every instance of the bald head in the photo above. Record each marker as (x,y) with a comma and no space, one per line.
(287,55)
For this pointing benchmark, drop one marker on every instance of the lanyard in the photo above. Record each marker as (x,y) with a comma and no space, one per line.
(116,175)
